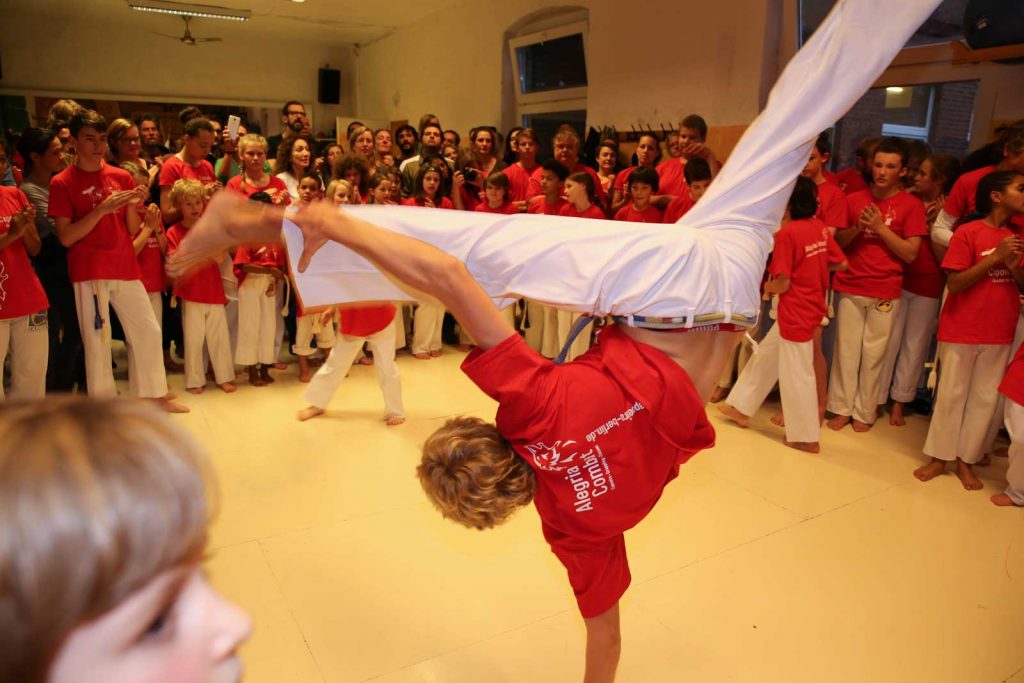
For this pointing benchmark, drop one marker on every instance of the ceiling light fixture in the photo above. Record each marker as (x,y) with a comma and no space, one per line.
(894,89)
(182,9)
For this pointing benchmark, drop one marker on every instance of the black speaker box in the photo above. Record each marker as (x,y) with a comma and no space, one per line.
(328,86)
(992,23)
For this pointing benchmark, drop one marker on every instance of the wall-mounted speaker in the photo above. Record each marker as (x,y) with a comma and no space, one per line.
(329,86)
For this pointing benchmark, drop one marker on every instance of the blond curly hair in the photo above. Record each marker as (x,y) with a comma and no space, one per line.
(471,474)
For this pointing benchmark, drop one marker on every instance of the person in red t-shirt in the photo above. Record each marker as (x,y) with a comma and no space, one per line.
(541,324)
(190,163)
(519,173)
(887,225)
(496,189)
(693,131)
(804,253)
(854,178)
(253,150)
(607,160)
(23,302)
(552,177)
(698,178)
(648,153)
(1012,389)
(918,313)
(642,184)
(832,209)
(201,294)
(373,325)
(90,203)
(976,328)
(565,147)
(581,197)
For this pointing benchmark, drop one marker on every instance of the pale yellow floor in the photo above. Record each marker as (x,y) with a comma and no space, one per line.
(759,564)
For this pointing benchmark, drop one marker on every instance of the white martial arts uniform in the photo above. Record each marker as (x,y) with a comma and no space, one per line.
(27,338)
(206,326)
(704,270)
(997,422)
(863,327)
(309,326)
(427,322)
(257,320)
(157,302)
(913,330)
(1014,416)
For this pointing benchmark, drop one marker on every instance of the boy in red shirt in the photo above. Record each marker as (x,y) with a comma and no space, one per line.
(90,203)
(803,255)
(23,302)
(693,131)
(698,178)
(496,189)
(565,146)
(190,163)
(643,184)
(551,181)
(202,300)
(976,328)
(887,225)
(648,152)
(832,210)
(519,173)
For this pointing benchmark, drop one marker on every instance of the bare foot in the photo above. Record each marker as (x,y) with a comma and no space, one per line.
(861,427)
(1001,452)
(806,446)
(719,394)
(464,347)
(985,461)
(280,365)
(1002,500)
(435,354)
(838,422)
(421,356)
(304,376)
(254,377)
(366,360)
(931,470)
(309,413)
(172,407)
(966,475)
(228,387)
(896,415)
(395,420)
(734,415)
(196,390)
(265,374)
(778,419)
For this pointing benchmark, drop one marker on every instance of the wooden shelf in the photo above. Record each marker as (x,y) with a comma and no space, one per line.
(965,55)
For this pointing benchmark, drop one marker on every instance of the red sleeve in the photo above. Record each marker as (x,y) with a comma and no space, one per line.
(782,255)
(621,178)
(535,183)
(60,200)
(957,203)
(169,172)
(598,571)
(960,255)
(520,380)
(835,214)
(916,223)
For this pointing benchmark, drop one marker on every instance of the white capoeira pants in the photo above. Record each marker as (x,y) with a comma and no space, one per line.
(791,364)
(917,317)
(969,377)
(330,375)
(708,267)
(427,322)
(27,338)
(257,321)
(997,418)
(1015,473)
(508,314)
(206,325)
(309,326)
(145,340)
(157,302)
(863,326)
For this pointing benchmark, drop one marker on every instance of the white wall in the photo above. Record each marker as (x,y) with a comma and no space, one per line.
(121,59)
(649,62)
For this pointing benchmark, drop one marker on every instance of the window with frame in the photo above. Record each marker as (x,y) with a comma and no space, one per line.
(549,70)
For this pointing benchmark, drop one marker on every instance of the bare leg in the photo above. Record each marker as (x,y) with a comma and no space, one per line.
(303,369)
(719,394)
(933,469)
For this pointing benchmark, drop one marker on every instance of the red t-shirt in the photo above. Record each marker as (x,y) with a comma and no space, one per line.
(832,210)
(552,209)
(850,180)
(651,214)
(174,168)
(264,255)
(671,179)
(592,211)
(599,191)
(362,321)
(960,202)
(987,311)
(151,260)
(418,201)
(203,285)
(506,208)
(1012,386)
(276,188)
(604,434)
(804,249)
(875,271)
(519,181)
(622,180)
(20,291)
(106,253)
(678,208)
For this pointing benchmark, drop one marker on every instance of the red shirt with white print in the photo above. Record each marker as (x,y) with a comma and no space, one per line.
(20,291)
(175,169)
(987,311)
(276,189)
(804,249)
(651,214)
(592,211)
(875,271)
(106,253)
(362,321)
(201,286)
(151,260)
(263,255)
(604,435)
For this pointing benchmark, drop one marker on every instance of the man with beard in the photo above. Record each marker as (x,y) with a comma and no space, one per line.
(153,148)
(293,116)
(430,145)
(406,138)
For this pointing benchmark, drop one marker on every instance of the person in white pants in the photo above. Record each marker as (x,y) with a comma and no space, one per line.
(23,303)
(702,276)
(804,254)
(89,203)
(307,326)
(1012,390)
(373,325)
(260,272)
(427,321)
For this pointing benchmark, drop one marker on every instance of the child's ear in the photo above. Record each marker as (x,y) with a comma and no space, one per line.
(825,158)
